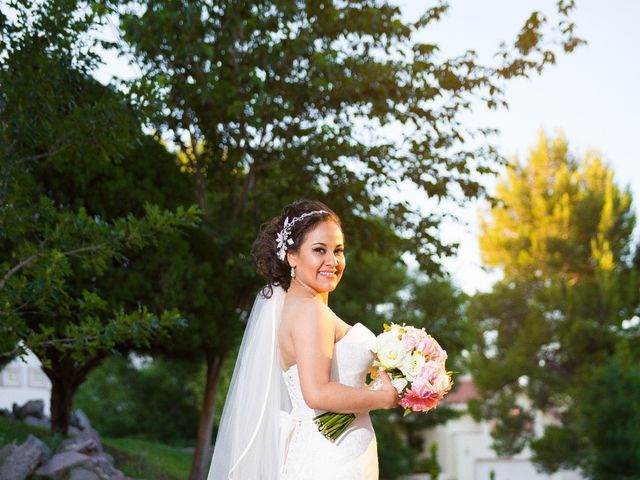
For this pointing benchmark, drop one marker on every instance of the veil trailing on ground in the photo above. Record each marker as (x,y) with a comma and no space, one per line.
(248,446)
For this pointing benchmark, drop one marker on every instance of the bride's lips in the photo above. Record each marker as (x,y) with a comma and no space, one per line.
(328,274)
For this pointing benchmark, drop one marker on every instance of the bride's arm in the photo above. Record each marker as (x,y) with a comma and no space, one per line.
(313,339)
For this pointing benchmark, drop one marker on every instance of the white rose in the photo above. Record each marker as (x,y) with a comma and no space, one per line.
(399,384)
(442,383)
(412,365)
(391,354)
(384,340)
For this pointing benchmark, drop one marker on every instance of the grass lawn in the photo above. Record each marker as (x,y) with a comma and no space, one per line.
(149,460)
(17,432)
(139,459)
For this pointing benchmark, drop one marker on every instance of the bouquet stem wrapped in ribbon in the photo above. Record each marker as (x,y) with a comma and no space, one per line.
(415,361)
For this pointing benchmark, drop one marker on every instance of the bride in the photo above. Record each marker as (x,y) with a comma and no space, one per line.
(297,360)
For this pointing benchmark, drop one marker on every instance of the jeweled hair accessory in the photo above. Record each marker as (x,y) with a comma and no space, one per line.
(283,240)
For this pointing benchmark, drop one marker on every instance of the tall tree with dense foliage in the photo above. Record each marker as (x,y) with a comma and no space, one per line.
(561,232)
(560,216)
(61,133)
(275,100)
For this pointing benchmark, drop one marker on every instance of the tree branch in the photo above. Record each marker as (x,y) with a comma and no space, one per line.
(11,353)
(28,261)
(24,263)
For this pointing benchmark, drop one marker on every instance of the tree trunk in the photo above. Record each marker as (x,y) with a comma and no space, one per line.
(62,393)
(66,376)
(199,467)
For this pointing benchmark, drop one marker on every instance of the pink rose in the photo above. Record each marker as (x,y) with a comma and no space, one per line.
(427,376)
(419,399)
(412,337)
(432,350)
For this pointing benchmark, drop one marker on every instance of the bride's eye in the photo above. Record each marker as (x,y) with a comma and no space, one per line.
(319,250)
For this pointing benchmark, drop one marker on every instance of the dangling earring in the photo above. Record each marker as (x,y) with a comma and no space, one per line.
(293,272)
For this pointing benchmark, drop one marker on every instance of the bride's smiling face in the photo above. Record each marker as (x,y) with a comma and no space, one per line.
(320,262)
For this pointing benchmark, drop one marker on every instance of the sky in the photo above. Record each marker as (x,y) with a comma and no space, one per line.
(591,94)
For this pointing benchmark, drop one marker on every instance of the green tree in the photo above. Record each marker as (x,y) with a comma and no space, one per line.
(606,423)
(610,418)
(561,232)
(267,102)
(60,129)
(558,216)
(156,399)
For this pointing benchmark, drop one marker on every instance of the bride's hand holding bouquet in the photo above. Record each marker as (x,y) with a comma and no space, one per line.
(413,362)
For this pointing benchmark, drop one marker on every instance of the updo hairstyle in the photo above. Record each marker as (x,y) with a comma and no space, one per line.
(264,248)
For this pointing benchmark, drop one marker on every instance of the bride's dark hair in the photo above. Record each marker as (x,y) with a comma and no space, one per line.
(264,249)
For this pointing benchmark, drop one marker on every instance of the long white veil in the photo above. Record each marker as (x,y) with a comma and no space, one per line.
(248,446)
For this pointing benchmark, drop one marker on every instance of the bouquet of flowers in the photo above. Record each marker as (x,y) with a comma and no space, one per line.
(415,361)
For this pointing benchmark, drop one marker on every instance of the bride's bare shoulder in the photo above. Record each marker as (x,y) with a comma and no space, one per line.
(305,315)
(305,308)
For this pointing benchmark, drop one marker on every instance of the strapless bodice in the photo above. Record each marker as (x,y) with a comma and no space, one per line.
(352,358)
(307,455)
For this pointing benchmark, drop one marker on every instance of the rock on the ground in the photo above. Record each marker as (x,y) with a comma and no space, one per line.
(80,420)
(6,451)
(81,473)
(38,422)
(87,441)
(102,466)
(87,446)
(35,408)
(61,462)
(24,460)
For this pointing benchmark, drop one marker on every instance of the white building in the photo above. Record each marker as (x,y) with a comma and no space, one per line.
(23,380)
(464,447)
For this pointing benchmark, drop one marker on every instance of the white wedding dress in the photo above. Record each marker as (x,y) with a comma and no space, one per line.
(307,454)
